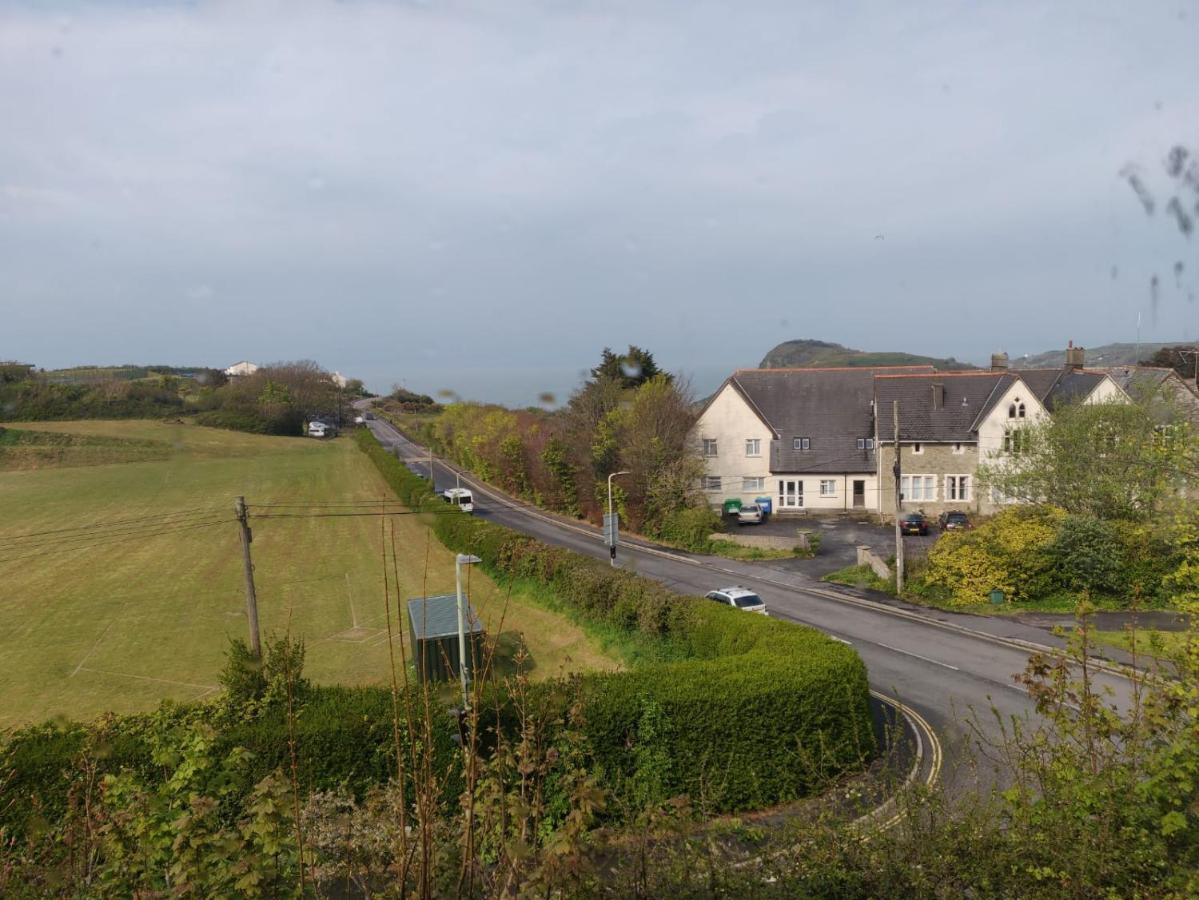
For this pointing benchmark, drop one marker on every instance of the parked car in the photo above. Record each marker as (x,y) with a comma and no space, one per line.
(370,416)
(320,430)
(914,523)
(739,598)
(750,514)
(954,520)
(359,420)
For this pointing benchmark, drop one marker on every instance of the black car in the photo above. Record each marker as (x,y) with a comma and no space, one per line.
(954,520)
(914,523)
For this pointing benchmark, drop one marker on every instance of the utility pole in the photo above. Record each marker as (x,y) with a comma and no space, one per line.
(611,525)
(897,469)
(251,597)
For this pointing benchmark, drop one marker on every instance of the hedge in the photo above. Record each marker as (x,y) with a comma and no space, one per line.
(344,739)
(759,712)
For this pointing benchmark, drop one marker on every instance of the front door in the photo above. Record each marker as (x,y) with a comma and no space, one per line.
(859,493)
(790,494)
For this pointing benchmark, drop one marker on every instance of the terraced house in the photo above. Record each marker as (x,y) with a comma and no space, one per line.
(823,439)
(805,438)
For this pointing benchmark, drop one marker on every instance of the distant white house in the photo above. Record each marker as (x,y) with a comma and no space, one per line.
(241,368)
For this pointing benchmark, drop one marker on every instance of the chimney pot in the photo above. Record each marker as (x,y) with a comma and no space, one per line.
(999,362)
(1076,357)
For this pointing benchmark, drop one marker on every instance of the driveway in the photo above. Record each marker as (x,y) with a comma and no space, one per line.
(840,536)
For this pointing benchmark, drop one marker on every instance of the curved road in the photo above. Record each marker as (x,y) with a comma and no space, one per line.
(943,665)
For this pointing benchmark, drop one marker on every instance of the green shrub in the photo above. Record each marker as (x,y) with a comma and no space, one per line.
(1008,552)
(691,527)
(1087,555)
(286,422)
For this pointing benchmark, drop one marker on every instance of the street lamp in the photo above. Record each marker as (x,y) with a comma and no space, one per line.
(462,559)
(612,538)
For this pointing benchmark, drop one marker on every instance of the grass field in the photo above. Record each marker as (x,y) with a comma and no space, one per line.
(118,617)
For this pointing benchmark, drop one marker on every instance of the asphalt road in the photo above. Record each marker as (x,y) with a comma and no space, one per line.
(957,672)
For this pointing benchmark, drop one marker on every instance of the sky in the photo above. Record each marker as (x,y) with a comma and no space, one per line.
(478,197)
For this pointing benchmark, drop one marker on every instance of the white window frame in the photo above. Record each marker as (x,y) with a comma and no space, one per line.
(828,487)
(753,483)
(796,493)
(917,449)
(753,446)
(959,488)
(802,444)
(711,443)
(712,482)
(959,448)
(928,488)
(869,443)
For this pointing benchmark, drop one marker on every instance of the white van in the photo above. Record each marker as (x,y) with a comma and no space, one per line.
(318,429)
(459,497)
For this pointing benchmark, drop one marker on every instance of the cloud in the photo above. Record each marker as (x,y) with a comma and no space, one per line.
(364,178)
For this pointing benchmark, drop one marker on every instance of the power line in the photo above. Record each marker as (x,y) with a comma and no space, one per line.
(113,522)
(107,542)
(147,530)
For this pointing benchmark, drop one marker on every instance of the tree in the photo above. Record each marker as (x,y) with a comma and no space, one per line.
(1182,359)
(1107,460)
(631,370)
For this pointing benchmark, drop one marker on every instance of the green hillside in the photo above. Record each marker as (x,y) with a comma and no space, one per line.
(809,354)
(1123,354)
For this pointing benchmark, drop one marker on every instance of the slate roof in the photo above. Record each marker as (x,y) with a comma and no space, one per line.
(1058,387)
(830,407)
(1138,378)
(435,617)
(962,399)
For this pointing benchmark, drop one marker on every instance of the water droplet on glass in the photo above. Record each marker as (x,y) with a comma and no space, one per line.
(546,398)
(631,368)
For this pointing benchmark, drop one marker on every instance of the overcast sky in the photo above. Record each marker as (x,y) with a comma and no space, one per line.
(479,196)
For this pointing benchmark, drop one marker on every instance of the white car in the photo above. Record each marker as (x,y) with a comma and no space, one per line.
(459,497)
(739,598)
(750,514)
(359,420)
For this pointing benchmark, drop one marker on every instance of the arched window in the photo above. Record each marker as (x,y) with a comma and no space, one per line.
(1016,409)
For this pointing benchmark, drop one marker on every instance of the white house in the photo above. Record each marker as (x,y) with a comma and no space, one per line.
(805,438)
(241,368)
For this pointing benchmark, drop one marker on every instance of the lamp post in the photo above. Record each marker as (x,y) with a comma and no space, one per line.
(462,559)
(612,538)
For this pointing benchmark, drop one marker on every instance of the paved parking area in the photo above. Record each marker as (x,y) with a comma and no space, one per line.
(840,536)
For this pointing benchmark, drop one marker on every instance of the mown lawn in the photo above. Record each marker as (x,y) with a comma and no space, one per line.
(119,617)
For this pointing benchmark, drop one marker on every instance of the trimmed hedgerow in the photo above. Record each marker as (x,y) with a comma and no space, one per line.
(757,712)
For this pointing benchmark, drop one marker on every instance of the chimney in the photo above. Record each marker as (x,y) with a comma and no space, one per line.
(1076,357)
(938,396)
(998,362)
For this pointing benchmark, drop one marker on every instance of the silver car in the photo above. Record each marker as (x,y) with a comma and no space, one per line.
(750,514)
(739,598)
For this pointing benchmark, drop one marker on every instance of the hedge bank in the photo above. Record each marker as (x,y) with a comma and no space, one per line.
(758,712)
